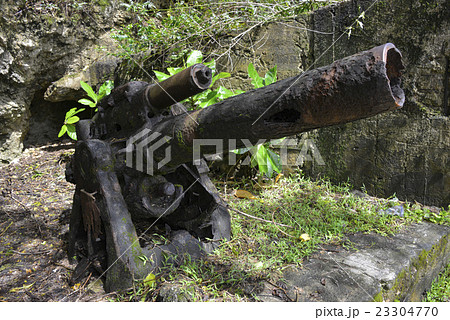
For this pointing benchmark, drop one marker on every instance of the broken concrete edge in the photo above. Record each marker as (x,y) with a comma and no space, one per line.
(400,267)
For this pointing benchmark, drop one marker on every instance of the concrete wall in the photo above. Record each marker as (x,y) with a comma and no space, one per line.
(406,152)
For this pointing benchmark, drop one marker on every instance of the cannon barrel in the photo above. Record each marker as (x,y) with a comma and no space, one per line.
(182,85)
(133,104)
(355,87)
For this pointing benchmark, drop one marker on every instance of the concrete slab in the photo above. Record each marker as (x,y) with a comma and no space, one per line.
(376,268)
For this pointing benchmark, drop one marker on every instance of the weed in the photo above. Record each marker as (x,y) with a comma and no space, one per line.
(417,213)
(163,34)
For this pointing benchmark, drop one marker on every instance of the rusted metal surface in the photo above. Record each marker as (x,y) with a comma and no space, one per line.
(184,84)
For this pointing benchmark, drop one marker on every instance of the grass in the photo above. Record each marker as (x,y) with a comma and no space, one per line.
(440,288)
(312,214)
(317,212)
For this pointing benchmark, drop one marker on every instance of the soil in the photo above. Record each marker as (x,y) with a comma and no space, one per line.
(35,204)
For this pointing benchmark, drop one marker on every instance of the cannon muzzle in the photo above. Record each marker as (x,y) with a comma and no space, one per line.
(133,104)
(183,85)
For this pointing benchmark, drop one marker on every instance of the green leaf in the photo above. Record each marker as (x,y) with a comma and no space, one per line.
(89,91)
(265,159)
(271,76)
(257,81)
(211,64)
(72,120)
(62,131)
(173,71)
(72,112)
(210,99)
(194,57)
(150,280)
(105,89)
(87,102)
(71,132)
(220,76)
(224,93)
(275,160)
(241,150)
(161,76)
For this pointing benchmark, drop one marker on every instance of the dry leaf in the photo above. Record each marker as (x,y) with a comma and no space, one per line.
(305,237)
(278,177)
(244,194)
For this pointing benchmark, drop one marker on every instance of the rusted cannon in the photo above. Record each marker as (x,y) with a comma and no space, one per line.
(140,159)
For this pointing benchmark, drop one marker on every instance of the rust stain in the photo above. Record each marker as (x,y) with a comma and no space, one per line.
(190,128)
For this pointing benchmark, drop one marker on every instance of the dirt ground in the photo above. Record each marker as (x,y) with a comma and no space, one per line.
(35,203)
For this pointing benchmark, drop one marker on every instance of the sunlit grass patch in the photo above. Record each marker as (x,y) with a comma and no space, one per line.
(440,288)
(317,212)
(299,217)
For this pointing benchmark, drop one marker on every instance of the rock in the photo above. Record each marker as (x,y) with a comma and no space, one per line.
(170,292)
(37,49)
(359,194)
(69,88)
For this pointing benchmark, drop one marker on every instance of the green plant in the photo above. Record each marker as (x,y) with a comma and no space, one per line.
(417,213)
(71,117)
(440,288)
(207,97)
(262,157)
(359,24)
(323,211)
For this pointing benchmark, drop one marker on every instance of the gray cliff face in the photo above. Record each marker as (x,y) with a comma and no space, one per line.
(37,47)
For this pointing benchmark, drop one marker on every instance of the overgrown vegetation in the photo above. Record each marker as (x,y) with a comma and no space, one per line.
(165,35)
(301,216)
